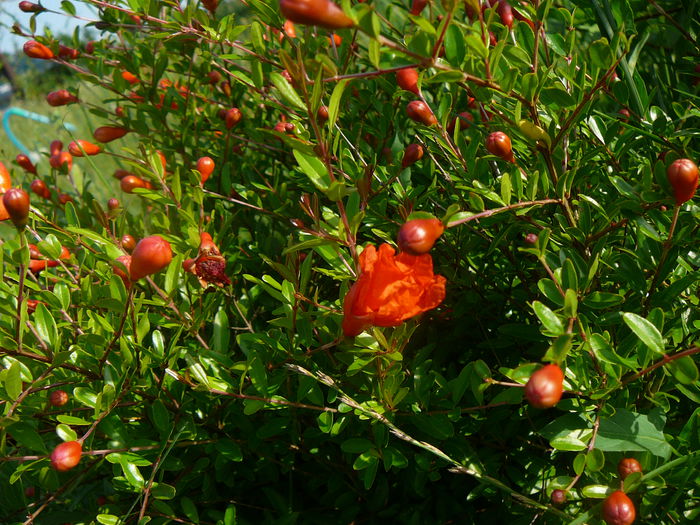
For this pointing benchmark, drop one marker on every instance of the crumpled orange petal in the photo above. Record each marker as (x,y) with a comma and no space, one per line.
(391,288)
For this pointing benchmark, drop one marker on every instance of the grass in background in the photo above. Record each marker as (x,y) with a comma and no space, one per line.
(94,171)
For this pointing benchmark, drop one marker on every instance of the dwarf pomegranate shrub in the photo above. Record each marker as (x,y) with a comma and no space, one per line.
(339,324)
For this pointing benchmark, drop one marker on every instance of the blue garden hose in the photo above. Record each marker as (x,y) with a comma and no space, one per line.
(19,112)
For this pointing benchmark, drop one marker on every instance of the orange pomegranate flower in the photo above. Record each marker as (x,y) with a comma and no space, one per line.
(391,288)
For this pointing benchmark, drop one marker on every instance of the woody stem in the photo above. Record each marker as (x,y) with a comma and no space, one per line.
(488,213)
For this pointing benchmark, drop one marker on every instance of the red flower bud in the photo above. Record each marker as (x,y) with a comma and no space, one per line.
(77,147)
(131,182)
(60,159)
(323,13)
(38,186)
(68,53)
(34,49)
(126,261)
(30,7)
(505,12)
(233,116)
(109,133)
(465,120)
(408,79)
(25,163)
(412,154)
(419,111)
(61,97)
(127,242)
(130,78)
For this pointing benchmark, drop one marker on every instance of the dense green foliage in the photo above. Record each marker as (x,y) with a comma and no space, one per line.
(244,403)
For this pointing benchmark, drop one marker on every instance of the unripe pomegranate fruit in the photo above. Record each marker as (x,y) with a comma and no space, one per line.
(417,6)
(58,398)
(61,97)
(418,236)
(77,147)
(16,202)
(120,174)
(531,238)
(412,154)
(408,79)
(627,466)
(214,77)
(558,497)
(38,186)
(233,116)
(66,455)
(127,242)
(205,167)
(323,13)
(683,176)
(544,388)
(109,133)
(34,49)
(498,143)
(113,204)
(419,111)
(618,509)
(25,163)
(151,255)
